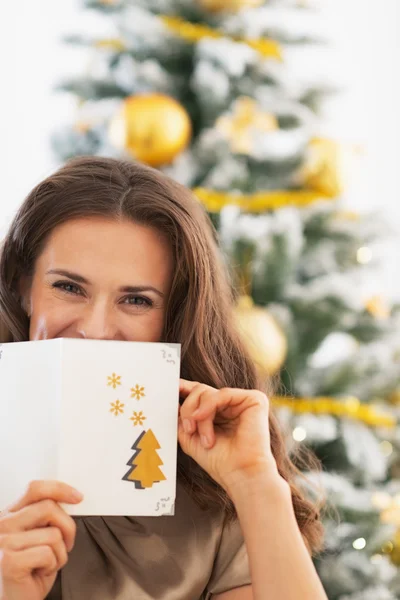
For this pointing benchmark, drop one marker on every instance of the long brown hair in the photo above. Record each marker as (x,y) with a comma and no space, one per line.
(199,313)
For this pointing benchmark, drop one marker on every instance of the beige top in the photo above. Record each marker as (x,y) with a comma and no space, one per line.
(189,556)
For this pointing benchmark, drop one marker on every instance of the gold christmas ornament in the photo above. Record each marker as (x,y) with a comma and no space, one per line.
(153,128)
(229,5)
(395,551)
(390,514)
(246,120)
(323,170)
(264,338)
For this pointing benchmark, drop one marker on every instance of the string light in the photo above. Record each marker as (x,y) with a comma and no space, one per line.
(364,255)
(386,448)
(359,544)
(299,434)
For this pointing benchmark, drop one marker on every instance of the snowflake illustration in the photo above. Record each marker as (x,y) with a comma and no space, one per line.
(116,407)
(137,392)
(114,380)
(138,418)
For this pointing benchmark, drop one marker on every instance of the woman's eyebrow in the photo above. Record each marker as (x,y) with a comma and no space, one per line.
(69,274)
(127,288)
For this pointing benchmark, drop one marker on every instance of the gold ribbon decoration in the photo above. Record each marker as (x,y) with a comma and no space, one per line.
(215,201)
(341,407)
(194,32)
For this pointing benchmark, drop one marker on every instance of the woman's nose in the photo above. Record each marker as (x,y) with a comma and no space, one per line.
(97,323)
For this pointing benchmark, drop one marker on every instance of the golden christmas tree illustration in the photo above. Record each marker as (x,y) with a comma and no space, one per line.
(145,462)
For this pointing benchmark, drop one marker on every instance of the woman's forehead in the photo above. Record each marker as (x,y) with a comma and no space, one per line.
(97,243)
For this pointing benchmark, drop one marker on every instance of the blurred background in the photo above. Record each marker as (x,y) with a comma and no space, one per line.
(283,117)
(365,37)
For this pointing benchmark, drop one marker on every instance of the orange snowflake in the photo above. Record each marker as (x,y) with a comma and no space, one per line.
(138,418)
(116,407)
(114,380)
(137,392)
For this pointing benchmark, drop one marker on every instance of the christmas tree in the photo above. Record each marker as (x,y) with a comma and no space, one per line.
(225,97)
(146,462)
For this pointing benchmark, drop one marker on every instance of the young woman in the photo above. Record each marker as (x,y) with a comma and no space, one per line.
(108,249)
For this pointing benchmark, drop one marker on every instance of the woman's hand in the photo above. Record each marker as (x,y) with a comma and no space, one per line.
(226,432)
(35,536)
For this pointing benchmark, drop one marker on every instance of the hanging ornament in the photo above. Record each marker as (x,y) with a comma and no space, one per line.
(153,128)
(264,338)
(323,169)
(389,507)
(229,5)
(246,121)
(392,549)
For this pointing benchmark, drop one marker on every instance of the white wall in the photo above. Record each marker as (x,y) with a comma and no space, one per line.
(368,115)
(32,61)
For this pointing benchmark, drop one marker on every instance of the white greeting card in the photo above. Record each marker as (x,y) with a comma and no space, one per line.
(99,415)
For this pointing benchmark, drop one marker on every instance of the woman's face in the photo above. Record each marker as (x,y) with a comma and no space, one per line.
(100,279)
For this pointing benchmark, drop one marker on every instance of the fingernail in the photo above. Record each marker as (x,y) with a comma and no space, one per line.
(205,441)
(76,494)
(187,425)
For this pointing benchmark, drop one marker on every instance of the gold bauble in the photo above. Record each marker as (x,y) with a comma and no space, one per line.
(229,5)
(323,170)
(263,337)
(394,553)
(153,128)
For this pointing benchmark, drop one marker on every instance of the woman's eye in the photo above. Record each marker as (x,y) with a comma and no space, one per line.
(68,287)
(139,301)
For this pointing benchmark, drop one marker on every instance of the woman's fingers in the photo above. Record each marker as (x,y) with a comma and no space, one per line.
(41,490)
(40,514)
(36,535)
(17,565)
(198,412)
(45,536)
(204,406)
(202,400)
(206,432)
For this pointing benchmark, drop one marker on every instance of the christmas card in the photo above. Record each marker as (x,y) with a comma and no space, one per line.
(98,415)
